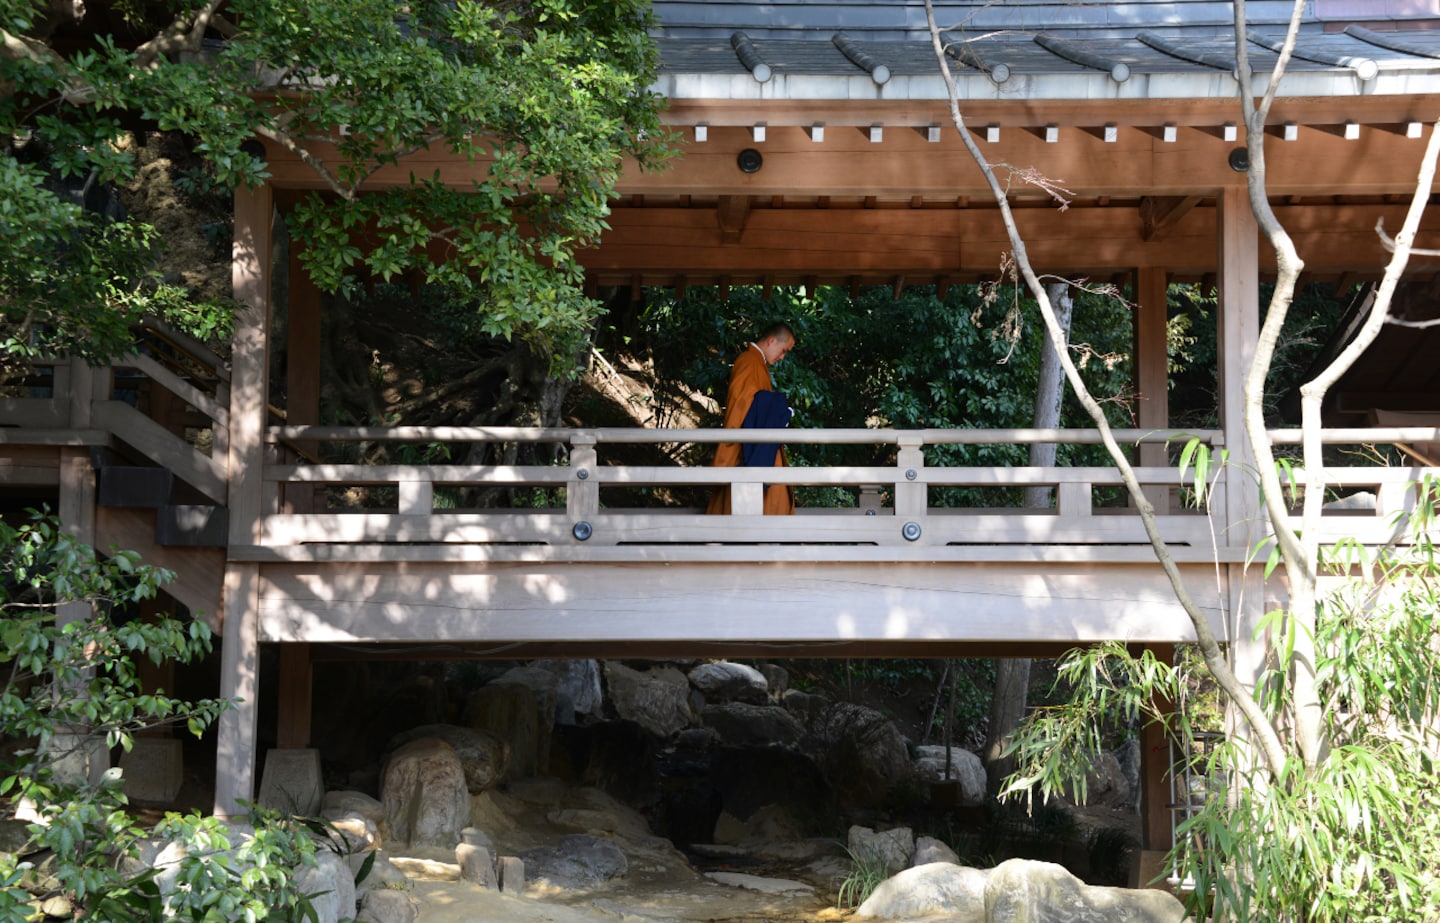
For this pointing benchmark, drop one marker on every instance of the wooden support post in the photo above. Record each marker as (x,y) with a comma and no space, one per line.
(911,494)
(1152,380)
(249,387)
(292,729)
(1157,828)
(77,477)
(302,371)
(1239,326)
(582,493)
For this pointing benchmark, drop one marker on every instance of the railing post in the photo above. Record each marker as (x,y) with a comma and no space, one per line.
(911,494)
(582,492)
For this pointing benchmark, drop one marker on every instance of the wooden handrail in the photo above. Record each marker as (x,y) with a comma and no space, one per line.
(637,435)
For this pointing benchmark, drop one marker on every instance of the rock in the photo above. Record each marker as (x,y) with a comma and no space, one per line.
(965,767)
(356,832)
(342,803)
(893,847)
(331,885)
(1106,784)
(386,906)
(929,850)
(512,875)
(756,883)
(58,906)
(861,752)
(776,677)
(928,890)
(767,825)
(578,692)
(477,866)
(484,756)
(545,686)
(730,682)
(577,861)
(743,725)
(657,700)
(477,837)
(804,706)
(383,873)
(426,799)
(1025,891)
(14,837)
(511,712)
(1128,756)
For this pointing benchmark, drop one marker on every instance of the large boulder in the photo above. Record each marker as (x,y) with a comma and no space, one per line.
(1025,891)
(927,891)
(577,688)
(1106,784)
(427,802)
(657,700)
(730,682)
(577,861)
(966,768)
(742,725)
(861,752)
(929,850)
(331,885)
(511,711)
(483,754)
(891,848)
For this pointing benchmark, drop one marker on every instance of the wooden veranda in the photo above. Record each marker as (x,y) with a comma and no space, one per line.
(861,182)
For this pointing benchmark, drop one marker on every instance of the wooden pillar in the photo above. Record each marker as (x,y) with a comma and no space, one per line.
(249,390)
(77,477)
(1156,796)
(293,721)
(1239,327)
(1152,370)
(302,368)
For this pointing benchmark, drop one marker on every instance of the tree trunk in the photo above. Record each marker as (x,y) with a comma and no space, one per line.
(1012,676)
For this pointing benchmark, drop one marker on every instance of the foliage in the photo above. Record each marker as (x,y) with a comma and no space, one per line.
(72,677)
(867,872)
(544,99)
(78,673)
(874,360)
(1356,836)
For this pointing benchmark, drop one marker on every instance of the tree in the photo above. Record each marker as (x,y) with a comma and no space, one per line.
(73,682)
(544,98)
(1287,753)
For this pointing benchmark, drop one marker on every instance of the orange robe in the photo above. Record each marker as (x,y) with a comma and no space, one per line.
(751,374)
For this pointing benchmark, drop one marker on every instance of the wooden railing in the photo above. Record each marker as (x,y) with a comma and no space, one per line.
(894,509)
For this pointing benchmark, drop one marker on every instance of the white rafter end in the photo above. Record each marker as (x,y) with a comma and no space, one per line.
(757,133)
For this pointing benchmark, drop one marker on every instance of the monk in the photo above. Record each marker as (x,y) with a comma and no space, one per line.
(749,377)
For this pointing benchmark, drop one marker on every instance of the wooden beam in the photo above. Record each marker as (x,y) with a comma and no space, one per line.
(731,213)
(249,388)
(292,730)
(1158,213)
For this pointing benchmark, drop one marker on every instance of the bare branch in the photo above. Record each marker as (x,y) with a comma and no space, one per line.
(1264,732)
(1417,324)
(1388,242)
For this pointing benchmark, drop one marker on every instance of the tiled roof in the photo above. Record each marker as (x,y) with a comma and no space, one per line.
(1035,49)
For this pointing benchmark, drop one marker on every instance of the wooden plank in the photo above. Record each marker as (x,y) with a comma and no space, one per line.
(53,437)
(1035,554)
(717,602)
(551,528)
(199,572)
(37,413)
(158,444)
(177,386)
(1152,367)
(30,466)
